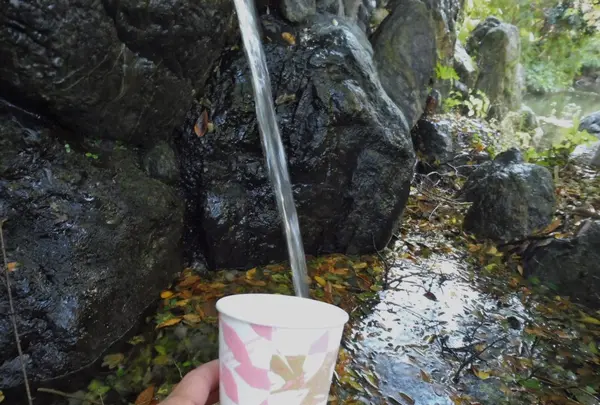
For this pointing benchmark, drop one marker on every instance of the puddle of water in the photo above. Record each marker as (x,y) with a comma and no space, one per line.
(431,307)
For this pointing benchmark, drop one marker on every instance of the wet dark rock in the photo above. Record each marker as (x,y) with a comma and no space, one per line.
(497,48)
(161,163)
(97,239)
(405,55)
(121,70)
(298,10)
(591,124)
(511,199)
(348,148)
(447,142)
(571,265)
(433,141)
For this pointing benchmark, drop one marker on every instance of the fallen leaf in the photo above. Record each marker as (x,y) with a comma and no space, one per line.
(339,272)
(289,38)
(431,296)
(146,396)
(166,294)
(321,281)
(425,377)
(168,322)
(12,266)
(520,269)
(590,320)
(552,227)
(201,124)
(192,318)
(182,303)
(256,283)
(1,396)
(112,360)
(483,375)
(359,266)
(407,398)
(189,280)
(186,294)
(251,273)
(217,286)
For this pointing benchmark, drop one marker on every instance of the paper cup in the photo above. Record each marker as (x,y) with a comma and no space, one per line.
(277,349)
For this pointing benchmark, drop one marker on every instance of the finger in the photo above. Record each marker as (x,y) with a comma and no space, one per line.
(196,386)
(213,397)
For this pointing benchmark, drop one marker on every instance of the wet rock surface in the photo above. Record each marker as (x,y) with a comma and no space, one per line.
(95,240)
(405,56)
(571,265)
(347,144)
(497,48)
(511,199)
(591,124)
(121,70)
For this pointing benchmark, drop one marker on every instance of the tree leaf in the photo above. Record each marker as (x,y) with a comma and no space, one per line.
(321,281)
(590,320)
(12,266)
(145,397)
(425,377)
(192,318)
(189,280)
(483,375)
(289,38)
(112,360)
(166,294)
(1,396)
(168,322)
(407,398)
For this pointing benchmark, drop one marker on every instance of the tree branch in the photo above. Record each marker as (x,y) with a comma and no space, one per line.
(13,316)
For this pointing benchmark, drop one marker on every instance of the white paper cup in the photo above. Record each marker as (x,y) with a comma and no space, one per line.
(277,349)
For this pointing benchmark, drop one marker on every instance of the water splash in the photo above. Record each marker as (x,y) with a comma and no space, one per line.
(271,142)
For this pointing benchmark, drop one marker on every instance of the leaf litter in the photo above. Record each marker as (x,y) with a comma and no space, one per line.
(440,318)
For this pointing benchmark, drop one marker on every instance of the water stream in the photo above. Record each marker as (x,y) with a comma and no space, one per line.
(271,142)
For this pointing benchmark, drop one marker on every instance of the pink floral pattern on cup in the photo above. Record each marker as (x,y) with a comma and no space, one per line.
(287,375)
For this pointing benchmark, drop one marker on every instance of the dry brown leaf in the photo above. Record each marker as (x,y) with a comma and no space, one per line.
(146,397)
(407,398)
(201,126)
(166,294)
(12,266)
(289,38)
(168,322)
(189,280)
(192,318)
(425,377)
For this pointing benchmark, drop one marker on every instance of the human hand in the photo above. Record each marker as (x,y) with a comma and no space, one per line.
(198,387)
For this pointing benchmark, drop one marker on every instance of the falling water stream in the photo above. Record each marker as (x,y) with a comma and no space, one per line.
(271,142)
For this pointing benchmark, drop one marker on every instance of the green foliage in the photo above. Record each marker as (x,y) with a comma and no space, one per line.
(67,148)
(475,105)
(558,154)
(445,72)
(557,36)
(91,155)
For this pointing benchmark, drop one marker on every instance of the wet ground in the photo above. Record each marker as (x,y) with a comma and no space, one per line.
(437,319)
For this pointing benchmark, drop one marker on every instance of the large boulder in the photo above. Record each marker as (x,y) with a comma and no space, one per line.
(497,48)
(348,147)
(571,265)
(511,199)
(95,237)
(405,55)
(591,124)
(122,69)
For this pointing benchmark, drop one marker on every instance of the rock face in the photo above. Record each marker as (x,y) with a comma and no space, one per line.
(497,48)
(591,124)
(571,265)
(511,199)
(464,66)
(298,10)
(348,147)
(115,69)
(96,239)
(405,55)
(587,154)
(433,141)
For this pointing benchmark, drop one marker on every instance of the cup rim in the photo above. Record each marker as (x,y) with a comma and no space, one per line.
(239,307)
